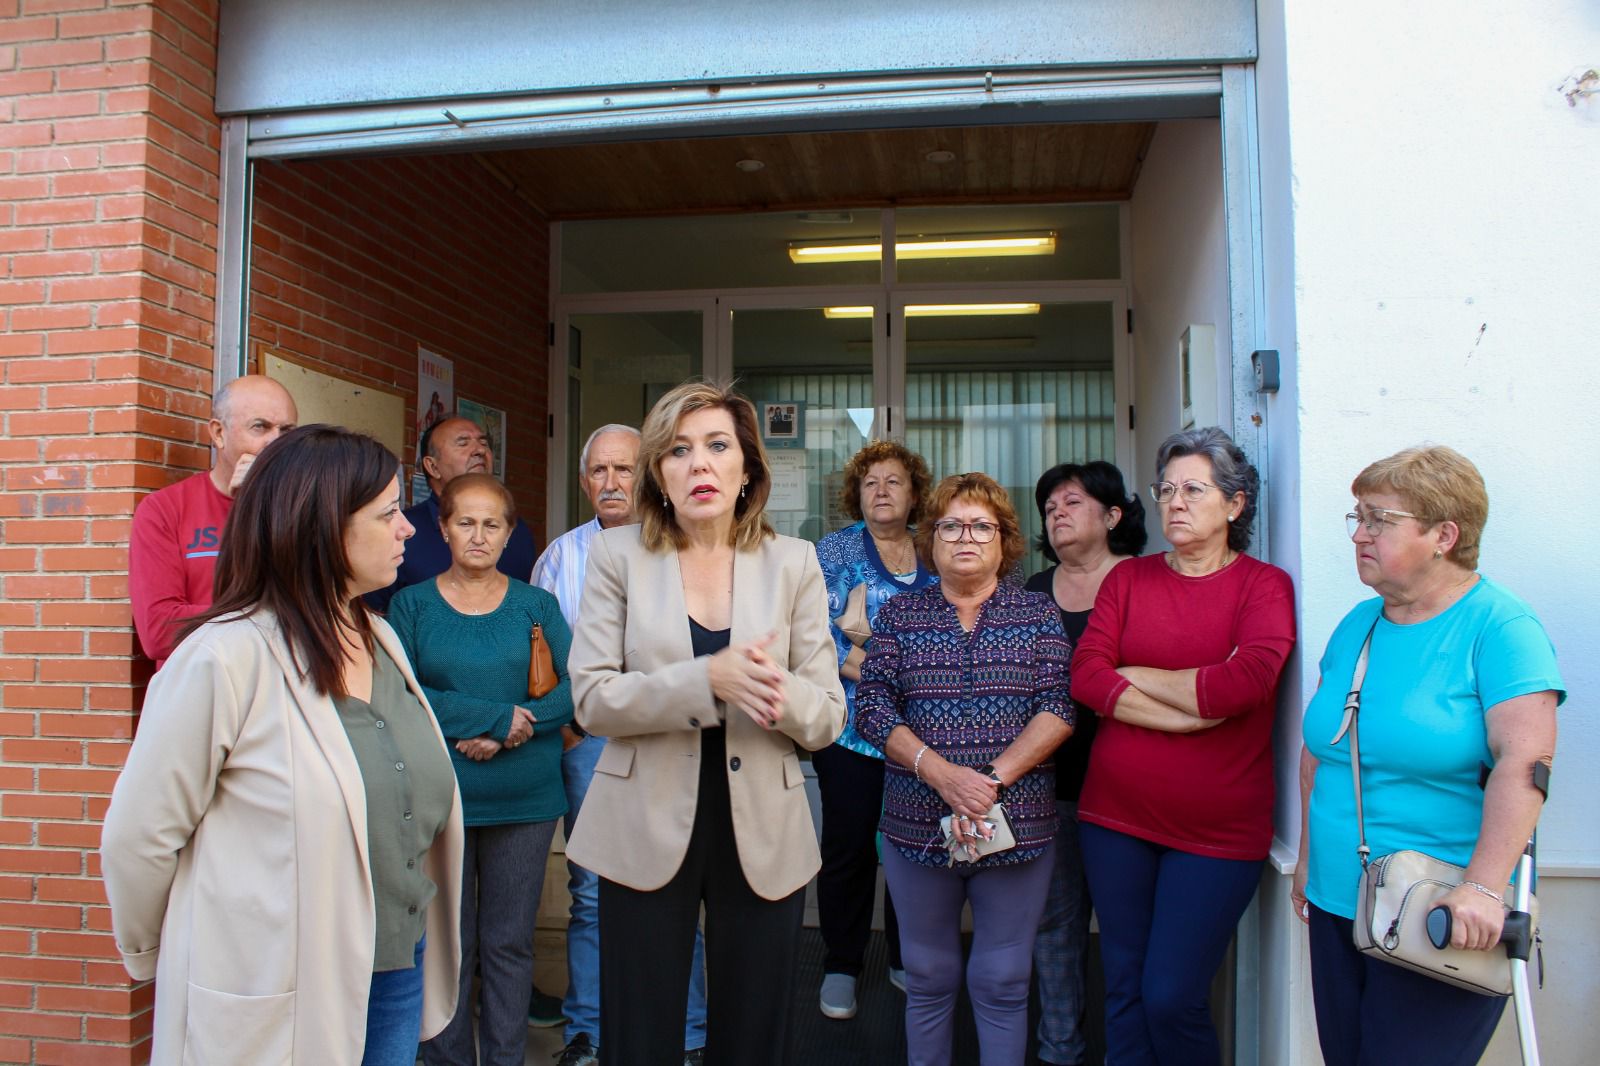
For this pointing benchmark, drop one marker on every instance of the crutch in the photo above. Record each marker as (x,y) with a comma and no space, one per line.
(1518,934)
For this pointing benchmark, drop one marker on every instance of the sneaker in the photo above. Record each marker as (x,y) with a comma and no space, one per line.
(838,995)
(581,1052)
(694,1056)
(897,977)
(544,1011)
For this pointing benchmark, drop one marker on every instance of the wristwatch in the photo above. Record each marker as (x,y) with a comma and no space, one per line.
(988,770)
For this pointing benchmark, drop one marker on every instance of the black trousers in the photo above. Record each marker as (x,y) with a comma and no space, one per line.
(852,799)
(647,940)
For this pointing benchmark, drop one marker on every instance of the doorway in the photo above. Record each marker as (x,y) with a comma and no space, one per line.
(1003,363)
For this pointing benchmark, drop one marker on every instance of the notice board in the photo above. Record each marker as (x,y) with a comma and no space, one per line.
(322,396)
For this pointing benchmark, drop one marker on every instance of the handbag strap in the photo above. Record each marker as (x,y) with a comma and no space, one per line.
(1351,724)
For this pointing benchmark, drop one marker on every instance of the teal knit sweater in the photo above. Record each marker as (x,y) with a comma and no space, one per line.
(474,668)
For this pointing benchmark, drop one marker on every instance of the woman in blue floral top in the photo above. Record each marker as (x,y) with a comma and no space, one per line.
(965,689)
(863,565)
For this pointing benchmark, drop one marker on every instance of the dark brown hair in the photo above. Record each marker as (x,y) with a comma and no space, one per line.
(283,544)
(466,483)
(885,451)
(980,489)
(659,527)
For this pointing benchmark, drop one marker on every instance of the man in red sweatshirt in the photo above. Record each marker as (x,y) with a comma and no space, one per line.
(172,552)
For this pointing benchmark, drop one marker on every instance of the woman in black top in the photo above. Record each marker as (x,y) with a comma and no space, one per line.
(1091,524)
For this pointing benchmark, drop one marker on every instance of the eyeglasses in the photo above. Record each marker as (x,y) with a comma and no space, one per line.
(950,530)
(1193,491)
(1374,520)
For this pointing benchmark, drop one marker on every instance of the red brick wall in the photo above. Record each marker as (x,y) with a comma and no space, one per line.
(357,263)
(108,179)
(108,215)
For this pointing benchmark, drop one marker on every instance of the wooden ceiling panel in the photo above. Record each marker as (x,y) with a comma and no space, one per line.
(1015,164)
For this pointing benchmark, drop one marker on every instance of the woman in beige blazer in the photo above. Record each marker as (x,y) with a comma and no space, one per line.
(703,652)
(283,849)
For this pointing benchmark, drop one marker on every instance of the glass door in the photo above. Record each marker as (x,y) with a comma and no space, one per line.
(811,372)
(618,363)
(1010,384)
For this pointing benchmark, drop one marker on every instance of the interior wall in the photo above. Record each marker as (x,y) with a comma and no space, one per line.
(1180,278)
(355,264)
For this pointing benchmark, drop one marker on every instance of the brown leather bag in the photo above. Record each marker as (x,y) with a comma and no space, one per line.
(541,667)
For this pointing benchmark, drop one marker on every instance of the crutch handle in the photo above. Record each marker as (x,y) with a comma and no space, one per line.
(1516,934)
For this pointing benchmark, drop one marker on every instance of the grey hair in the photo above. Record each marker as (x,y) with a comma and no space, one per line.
(610,427)
(222,400)
(1230,470)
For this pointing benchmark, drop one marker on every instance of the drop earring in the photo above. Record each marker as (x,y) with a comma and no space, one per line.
(742,488)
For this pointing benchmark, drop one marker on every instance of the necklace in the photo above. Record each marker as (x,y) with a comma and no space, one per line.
(1172,563)
(466,605)
(905,559)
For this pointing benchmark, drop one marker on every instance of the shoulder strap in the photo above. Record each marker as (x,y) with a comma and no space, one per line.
(1351,724)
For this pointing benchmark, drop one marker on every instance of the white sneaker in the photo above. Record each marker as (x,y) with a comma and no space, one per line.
(838,995)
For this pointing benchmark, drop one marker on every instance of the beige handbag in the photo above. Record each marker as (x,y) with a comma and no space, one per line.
(852,621)
(1399,889)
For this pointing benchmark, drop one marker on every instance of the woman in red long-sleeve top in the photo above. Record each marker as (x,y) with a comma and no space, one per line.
(1181,660)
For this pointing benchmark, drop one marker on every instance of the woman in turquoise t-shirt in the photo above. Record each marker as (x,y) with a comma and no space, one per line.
(1460,674)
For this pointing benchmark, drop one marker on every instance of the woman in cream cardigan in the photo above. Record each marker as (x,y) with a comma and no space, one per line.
(703,652)
(283,849)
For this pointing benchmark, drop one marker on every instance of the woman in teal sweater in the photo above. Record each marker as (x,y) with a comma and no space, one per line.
(468,635)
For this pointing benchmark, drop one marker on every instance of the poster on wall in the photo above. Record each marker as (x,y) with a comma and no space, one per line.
(783,424)
(789,484)
(436,400)
(493,421)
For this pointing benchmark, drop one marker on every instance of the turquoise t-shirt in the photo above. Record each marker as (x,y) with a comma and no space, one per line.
(1423,731)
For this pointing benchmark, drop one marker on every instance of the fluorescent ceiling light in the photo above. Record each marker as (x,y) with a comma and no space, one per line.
(939,310)
(935,248)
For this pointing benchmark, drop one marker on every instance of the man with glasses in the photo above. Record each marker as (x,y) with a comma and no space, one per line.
(606,471)
(450,448)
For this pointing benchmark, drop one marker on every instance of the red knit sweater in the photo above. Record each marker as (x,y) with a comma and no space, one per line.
(1209,793)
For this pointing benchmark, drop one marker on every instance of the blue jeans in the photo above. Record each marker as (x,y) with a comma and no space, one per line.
(1166,917)
(582,1005)
(394,1015)
(1061,950)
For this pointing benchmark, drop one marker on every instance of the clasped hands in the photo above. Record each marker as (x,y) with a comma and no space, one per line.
(484,748)
(746,676)
(970,795)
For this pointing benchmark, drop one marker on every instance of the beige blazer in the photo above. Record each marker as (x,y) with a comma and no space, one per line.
(235,859)
(635,680)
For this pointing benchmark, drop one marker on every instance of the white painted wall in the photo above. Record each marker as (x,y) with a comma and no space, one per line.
(1180,278)
(1429,225)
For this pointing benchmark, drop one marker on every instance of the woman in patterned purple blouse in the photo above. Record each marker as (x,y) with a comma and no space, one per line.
(965,689)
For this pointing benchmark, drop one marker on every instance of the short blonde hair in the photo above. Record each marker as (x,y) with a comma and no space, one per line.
(1438,484)
(656,437)
(980,489)
(885,451)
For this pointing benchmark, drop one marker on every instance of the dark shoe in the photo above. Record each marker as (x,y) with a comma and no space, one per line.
(581,1052)
(544,1011)
(694,1056)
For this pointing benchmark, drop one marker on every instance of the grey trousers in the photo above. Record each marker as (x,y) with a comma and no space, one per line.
(502,877)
